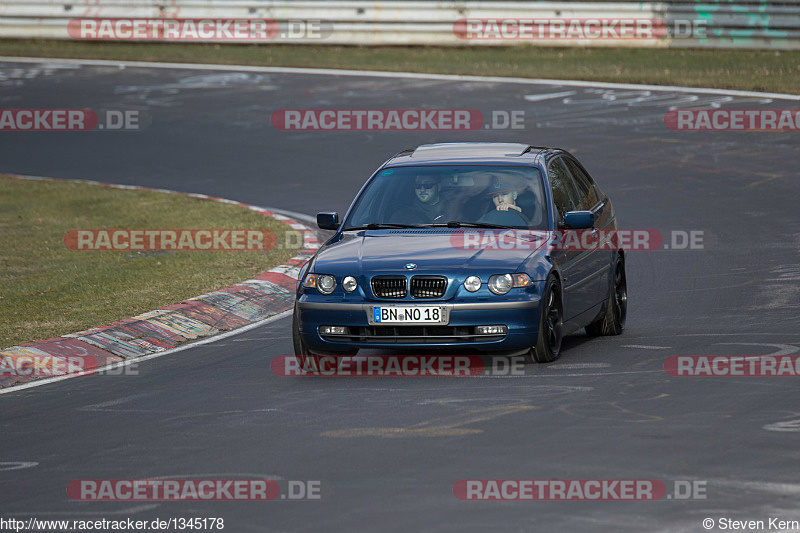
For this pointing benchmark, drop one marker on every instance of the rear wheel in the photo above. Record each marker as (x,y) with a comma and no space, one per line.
(613,320)
(551,322)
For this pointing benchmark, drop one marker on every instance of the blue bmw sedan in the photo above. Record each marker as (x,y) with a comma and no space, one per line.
(457,246)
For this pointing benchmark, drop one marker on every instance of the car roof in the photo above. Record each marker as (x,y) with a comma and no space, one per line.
(475,152)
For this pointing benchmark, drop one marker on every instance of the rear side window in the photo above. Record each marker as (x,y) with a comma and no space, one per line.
(588,196)
(564,194)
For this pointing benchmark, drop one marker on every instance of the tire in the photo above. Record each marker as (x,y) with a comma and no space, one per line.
(613,320)
(305,358)
(551,323)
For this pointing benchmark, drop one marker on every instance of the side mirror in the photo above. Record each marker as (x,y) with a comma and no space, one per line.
(328,221)
(579,219)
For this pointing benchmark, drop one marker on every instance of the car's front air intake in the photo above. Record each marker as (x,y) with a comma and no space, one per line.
(389,286)
(428,286)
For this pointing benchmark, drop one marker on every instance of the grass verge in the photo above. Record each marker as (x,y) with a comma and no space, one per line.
(759,70)
(48,290)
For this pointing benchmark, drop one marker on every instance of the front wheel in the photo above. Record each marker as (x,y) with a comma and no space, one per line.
(305,358)
(551,323)
(613,320)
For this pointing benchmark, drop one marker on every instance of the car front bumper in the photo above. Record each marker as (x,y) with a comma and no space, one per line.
(521,317)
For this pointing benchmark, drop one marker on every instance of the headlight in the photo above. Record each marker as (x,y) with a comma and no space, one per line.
(326,283)
(501,283)
(349,284)
(472,283)
(322,282)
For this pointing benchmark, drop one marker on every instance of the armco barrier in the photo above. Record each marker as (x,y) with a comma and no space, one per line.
(754,25)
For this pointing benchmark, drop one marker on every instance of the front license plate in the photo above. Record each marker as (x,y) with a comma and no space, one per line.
(411,314)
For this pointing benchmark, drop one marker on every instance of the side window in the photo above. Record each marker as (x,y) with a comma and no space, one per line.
(564,194)
(588,196)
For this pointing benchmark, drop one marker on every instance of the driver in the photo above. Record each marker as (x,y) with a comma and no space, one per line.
(428,206)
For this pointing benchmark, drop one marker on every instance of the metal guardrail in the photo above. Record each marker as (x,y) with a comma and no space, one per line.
(749,24)
(765,24)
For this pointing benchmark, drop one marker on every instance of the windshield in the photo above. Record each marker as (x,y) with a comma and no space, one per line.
(470,195)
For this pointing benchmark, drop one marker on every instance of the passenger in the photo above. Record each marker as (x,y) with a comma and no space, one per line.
(506,211)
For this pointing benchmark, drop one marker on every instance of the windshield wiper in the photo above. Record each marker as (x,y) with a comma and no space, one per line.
(457,224)
(383,226)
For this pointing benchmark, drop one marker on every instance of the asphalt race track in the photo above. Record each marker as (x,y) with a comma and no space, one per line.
(388,451)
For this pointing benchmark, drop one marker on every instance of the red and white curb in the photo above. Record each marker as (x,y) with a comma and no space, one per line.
(246,305)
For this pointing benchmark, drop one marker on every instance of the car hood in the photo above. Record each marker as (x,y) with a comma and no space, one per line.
(431,250)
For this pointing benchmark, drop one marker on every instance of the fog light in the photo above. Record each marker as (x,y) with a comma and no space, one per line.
(491,330)
(349,284)
(334,330)
(472,283)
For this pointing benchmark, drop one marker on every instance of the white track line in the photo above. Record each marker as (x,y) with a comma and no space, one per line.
(646,347)
(294,214)
(547,96)
(384,74)
(127,362)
